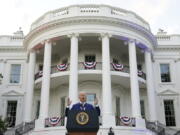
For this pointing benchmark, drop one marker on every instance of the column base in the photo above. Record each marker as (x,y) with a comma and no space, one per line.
(40,124)
(108,121)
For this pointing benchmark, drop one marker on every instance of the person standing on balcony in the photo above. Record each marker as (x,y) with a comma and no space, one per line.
(82,104)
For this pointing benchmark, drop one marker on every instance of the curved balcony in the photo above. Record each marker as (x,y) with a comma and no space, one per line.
(97,66)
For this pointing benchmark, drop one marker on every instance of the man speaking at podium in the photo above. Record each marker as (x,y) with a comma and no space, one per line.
(82,104)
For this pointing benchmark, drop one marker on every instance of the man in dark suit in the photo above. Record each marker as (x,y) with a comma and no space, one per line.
(82,105)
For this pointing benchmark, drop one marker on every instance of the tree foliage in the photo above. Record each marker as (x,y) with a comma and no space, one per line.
(3,125)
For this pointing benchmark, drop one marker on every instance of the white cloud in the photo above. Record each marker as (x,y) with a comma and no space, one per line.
(151,9)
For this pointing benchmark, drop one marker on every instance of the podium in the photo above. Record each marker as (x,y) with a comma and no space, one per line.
(82,122)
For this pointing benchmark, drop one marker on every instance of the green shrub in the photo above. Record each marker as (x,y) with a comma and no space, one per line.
(3,125)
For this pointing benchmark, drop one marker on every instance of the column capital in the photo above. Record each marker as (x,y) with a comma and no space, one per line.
(46,41)
(73,35)
(32,51)
(105,35)
(132,41)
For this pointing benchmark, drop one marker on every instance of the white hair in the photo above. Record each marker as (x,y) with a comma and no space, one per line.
(82,92)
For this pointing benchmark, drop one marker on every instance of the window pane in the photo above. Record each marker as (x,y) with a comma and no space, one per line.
(15,73)
(63,108)
(11,113)
(142,109)
(169,113)
(91,98)
(37,111)
(165,73)
(115,61)
(90,58)
(118,106)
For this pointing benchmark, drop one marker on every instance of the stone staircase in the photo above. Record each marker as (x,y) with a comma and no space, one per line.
(21,129)
(161,129)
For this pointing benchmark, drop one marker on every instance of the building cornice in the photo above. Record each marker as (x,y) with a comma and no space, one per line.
(167,47)
(90,20)
(12,48)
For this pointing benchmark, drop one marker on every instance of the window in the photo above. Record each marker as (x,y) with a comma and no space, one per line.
(165,73)
(37,110)
(90,58)
(65,61)
(40,67)
(115,61)
(118,106)
(15,73)
(169,113)
(63,108)
(142,109)
(139,67)
(11,113)
(91,98)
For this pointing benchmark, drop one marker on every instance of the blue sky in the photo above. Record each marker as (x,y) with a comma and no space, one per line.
(164,14)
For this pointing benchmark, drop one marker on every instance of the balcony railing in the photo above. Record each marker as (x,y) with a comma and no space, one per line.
(121,68)
(125,121)
(90,66)
(55,121)
(60,68)
(90,10)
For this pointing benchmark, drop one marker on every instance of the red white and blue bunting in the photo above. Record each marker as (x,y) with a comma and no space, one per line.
(89,65)
(62,67)
(127,121)
(54,121)
(118,67)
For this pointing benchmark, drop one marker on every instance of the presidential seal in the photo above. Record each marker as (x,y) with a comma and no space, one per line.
(82,118)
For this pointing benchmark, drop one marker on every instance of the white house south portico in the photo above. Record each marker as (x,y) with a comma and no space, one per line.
(105,51)
(100,27)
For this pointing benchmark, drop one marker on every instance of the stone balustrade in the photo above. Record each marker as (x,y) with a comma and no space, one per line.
(91,10)
(166,40)
(82,67)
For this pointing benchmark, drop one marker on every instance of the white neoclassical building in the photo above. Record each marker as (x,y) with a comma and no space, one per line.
(108,52)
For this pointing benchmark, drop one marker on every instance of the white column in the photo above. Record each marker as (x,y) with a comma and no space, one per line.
(135,99)
(45,88)
(107,117)
(30,87)
(73,78)
(150,87)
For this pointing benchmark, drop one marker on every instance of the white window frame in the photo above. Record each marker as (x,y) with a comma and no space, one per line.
(15,110)
(21,72)
(175,99)
(92,94)
(170,72)
(175,118)
(19,108)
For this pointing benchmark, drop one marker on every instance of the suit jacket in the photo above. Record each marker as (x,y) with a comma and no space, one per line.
(86,106)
